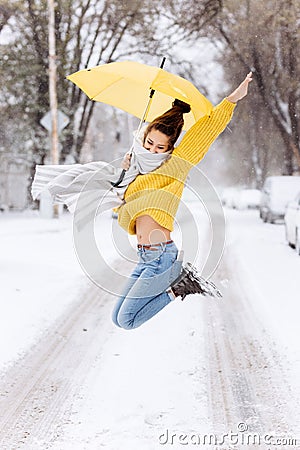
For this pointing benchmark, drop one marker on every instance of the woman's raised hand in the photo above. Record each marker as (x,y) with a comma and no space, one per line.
(126,161)
(241,91)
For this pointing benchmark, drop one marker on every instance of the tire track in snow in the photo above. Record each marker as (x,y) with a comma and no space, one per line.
(247,376)
(37,392)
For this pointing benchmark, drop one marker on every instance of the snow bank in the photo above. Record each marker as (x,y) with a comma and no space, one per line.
(40,278)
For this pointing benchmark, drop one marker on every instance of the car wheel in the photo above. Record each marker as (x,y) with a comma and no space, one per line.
(270,218)
(297,246)
(287,237)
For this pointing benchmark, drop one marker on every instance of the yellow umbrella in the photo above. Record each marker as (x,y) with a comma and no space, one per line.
(127,85)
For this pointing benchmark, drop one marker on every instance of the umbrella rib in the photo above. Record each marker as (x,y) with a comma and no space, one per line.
(108,86)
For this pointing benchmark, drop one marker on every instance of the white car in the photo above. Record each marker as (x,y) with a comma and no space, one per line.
(297,239)
(292,223)
(229,196)
(247,199)
(276,194)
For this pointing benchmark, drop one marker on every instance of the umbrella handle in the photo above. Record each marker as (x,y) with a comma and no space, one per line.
(119,181)
(121,177)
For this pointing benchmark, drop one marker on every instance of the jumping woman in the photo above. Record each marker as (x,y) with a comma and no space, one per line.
(150,204)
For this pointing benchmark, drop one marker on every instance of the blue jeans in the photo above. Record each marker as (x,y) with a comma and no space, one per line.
(145,293)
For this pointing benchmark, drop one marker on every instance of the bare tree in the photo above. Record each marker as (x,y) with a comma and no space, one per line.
(264,37)
(8,9)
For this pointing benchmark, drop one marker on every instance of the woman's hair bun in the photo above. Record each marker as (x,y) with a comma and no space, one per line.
(184,107)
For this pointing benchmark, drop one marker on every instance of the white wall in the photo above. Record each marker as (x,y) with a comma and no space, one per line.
(13,182)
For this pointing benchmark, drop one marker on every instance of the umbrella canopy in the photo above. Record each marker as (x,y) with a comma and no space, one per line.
(127,86)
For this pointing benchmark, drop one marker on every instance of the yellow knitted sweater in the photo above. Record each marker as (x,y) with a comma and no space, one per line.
(158,193)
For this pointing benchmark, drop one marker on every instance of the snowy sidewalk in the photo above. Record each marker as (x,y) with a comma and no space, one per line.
(40,278)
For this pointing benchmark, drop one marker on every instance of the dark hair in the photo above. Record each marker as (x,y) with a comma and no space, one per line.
(171,122)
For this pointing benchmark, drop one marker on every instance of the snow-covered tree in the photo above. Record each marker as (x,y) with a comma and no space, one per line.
(264,37)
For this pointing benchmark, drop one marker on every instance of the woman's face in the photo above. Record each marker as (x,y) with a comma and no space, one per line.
(156,142)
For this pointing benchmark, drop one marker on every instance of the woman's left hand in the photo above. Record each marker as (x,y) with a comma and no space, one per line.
(241,91)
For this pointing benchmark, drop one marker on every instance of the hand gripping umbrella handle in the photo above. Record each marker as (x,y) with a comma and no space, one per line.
(119,181)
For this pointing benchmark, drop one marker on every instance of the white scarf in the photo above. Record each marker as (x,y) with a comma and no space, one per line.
(143,161)
(65,182)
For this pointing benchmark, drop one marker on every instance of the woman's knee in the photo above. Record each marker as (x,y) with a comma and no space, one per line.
(126,323)
(114,318)
(122,320)
(116,310)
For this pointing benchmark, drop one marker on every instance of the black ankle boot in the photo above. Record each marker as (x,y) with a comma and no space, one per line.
(191,282)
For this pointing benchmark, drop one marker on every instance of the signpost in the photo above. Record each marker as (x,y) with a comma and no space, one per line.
(47,210)
(54,121)
(62,121)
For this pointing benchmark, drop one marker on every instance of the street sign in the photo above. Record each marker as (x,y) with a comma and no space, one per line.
(62,121)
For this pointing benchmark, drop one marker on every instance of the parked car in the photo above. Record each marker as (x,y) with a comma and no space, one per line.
(3,207)
(240,198)
(228,197)
(247,199)
(291,217)
(276,193)
(297,237)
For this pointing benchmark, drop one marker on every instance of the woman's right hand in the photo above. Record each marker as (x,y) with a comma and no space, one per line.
(126,161)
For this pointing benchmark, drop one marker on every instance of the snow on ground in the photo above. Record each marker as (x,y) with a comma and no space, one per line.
(270,271)
(41,275)
(146,384)
(152,379)
(153,376)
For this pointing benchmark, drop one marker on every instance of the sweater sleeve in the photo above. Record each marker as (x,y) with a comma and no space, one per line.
(202,134)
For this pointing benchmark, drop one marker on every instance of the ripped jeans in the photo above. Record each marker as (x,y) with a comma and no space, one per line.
(145,293)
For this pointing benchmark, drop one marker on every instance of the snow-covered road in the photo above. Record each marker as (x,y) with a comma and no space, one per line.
(71,380)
